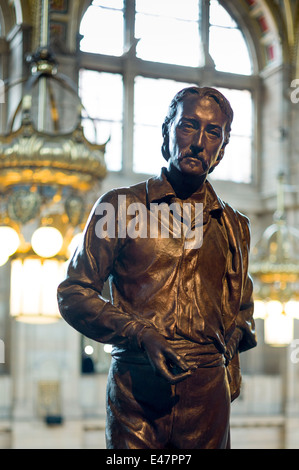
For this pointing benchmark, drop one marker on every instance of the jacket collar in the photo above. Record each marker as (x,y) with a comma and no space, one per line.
(159,189)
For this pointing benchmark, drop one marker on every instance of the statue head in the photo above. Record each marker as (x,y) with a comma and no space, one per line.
(199,94)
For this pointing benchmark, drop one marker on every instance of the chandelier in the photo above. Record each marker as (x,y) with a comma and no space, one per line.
(48,174)
(275,268)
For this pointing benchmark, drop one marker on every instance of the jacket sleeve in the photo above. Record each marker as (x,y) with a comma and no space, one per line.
(80,297)
(245,321)
(243,336)
(242,339)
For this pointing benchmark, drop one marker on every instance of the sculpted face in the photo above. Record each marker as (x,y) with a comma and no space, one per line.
(196,136)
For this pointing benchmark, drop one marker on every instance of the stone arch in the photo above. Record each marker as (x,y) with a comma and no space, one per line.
(78,8)
(68,22)
(259,25)
(14,13)
(65,22)
(7,17)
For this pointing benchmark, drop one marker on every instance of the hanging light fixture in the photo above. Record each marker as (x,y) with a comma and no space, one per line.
(34,283)
(48,174)
(10,242)
(46,241)
(275,268)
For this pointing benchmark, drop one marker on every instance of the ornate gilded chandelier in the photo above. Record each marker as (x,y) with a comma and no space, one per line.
(47,175)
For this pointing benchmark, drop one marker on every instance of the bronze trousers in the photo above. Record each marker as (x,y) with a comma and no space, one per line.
(144,411)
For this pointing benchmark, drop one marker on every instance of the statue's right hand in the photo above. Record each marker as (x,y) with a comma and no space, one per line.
(165,361)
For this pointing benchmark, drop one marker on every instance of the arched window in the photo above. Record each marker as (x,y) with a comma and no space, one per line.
(102,28)
(136,54)
(227,45)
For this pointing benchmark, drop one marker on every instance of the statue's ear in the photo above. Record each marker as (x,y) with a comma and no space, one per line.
(164,148)
(219,158)
(220,155)
(164,129)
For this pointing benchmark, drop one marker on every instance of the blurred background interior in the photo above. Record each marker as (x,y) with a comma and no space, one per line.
(85,86)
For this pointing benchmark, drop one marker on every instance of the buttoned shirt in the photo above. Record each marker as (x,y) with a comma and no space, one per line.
(195,297)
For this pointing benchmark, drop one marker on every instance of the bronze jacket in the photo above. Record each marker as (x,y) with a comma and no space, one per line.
(195,297)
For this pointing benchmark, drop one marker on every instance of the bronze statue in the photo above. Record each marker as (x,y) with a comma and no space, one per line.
(181,305)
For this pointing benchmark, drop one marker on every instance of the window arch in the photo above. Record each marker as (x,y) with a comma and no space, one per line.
(136,54)
(227,45)
(102,28)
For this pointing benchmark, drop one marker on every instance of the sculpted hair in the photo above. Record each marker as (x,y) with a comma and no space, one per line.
(202,93)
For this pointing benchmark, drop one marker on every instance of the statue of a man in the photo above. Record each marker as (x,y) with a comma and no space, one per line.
(181,308)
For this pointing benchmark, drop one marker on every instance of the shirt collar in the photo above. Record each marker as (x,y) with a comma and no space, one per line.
(159,189)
